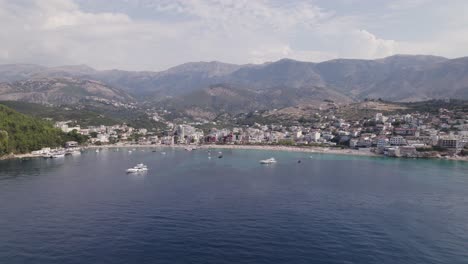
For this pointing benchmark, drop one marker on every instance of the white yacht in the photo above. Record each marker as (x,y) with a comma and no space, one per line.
(268,161)
(54,154)
(138,168)
(73,151)
(58,155)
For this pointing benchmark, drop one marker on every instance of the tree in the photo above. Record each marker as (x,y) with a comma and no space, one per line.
(3,142)
(21,134)
(75,136)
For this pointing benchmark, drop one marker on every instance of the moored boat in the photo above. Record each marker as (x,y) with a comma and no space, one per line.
(58,153)
(268,161)
(138,168)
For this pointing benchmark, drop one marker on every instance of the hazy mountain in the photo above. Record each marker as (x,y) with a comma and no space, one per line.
(284,73)
(357,77)
(15,72)
(446,79)
(59,91)
(400,77)
(217,99)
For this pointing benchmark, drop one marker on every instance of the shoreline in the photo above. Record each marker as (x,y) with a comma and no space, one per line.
(316,150)
(251,147)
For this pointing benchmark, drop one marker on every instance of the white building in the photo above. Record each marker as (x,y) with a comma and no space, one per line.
(382,142)
(397,141)
(103,138)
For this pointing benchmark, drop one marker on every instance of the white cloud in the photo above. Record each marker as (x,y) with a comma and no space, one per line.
(56,32)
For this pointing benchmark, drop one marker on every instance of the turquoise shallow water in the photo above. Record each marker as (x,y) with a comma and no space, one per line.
(191,209)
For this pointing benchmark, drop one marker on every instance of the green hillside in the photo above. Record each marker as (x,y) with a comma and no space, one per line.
(90,114)
(82,116)
(21,134)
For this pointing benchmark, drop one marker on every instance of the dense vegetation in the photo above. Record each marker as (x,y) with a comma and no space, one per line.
(82,117)
(89,114)
(21,134)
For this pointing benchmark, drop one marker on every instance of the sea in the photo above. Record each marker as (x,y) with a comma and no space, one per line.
(194,207)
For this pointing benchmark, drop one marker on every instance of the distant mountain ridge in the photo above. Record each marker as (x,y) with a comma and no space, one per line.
(397,78)
(61,90)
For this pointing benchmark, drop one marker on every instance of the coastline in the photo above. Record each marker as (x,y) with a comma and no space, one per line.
(317,150)
(251,147)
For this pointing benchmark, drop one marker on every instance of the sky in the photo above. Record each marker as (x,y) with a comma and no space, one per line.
(158,34)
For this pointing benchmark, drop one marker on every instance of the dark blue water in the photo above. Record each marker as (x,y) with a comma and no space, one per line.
(189,209)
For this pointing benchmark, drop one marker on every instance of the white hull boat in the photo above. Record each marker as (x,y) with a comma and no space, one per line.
(268,161)
(139,168)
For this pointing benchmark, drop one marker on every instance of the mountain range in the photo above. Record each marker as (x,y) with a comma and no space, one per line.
(214,86)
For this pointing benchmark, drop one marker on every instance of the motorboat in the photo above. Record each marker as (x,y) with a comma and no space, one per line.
(54,154)
(138,168)
(58,155)
(73,151)
(268,161)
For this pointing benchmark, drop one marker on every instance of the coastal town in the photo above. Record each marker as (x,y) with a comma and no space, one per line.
(411,135)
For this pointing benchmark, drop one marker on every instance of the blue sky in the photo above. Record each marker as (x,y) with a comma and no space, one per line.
(158,34)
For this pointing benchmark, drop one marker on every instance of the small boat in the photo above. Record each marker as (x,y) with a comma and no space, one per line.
(57,155)
(73,153)
(299,161)
(97,150)
(220,156)
(188,149)
(268,161)
(138,168)
(163,153)
(54,154)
